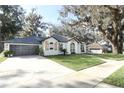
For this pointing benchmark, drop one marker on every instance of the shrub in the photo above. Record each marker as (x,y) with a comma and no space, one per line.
(8,53)
(64,51)
(41,51)
(11,52)
(37,51)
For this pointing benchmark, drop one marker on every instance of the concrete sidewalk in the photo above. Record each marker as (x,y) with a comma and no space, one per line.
(104,85)
(91,77)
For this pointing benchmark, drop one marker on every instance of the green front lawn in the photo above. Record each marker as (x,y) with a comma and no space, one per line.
(111,56)
(117,78)
(77,62)
(2,59)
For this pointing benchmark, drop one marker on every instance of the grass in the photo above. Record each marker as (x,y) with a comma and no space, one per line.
(77,62)
(2,59)
(117,78)
(111,56)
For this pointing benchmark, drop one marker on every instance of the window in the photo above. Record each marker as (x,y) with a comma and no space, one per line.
(94,48)
(51,42)
(82,48)
(51,45)
(51,48)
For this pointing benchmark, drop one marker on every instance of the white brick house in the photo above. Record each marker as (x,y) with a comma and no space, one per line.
(51,45)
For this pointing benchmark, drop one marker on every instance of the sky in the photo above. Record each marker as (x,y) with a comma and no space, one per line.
(50,13)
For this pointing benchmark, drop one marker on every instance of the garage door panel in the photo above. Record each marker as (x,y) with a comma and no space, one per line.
(23,49)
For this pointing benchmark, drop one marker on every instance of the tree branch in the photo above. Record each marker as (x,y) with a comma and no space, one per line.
(111,8)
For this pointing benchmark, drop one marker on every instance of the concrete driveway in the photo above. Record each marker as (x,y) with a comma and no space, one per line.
(30,71)
(39,72)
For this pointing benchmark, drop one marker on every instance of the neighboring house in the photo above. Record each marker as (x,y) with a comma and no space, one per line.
(107,47)
(95,48)
(51,45)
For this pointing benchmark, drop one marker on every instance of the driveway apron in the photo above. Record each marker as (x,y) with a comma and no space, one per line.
(25,71)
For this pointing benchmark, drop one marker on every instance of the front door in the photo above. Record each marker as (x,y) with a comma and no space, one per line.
(72,48)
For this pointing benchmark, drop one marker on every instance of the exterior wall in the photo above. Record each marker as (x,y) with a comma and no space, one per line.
(6,46)
(48,52)
(64,46)
(40,46)
(77,47)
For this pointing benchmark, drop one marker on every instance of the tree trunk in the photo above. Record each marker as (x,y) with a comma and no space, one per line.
(120,43)
(120,48)
(1,44)
(115,45)
(114,49)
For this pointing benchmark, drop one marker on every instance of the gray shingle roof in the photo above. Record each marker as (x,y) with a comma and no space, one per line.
(60,38)
(37,40)
(27,40)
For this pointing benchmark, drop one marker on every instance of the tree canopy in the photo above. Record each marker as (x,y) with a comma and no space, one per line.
(107,18)
(33,23)
(11,18)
